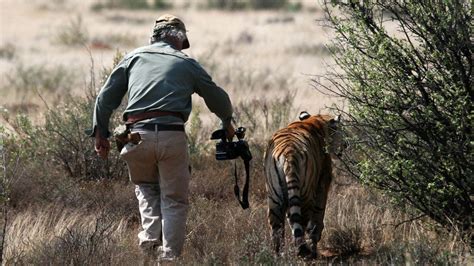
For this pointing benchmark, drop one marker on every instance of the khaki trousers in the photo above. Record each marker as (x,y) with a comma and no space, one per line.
(159,167)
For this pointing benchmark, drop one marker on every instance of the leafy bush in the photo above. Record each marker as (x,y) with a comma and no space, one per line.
(410,102)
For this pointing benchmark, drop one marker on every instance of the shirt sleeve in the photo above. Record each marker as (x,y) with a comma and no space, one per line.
(109,98)
(216,99)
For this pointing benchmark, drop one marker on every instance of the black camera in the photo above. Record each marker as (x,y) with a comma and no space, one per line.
(228,150)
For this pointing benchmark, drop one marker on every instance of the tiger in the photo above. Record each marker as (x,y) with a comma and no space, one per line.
(298,172)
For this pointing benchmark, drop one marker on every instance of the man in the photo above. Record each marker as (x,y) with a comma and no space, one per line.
(159,80)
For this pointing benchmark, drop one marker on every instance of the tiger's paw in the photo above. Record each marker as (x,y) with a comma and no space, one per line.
(304,251)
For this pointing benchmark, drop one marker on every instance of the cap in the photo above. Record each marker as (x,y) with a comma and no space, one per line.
(173,21)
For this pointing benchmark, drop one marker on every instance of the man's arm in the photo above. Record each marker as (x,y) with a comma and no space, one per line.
(216,99)
(107,101)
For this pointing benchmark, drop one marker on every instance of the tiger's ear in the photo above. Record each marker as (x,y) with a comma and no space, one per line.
(304,115)
(335,121)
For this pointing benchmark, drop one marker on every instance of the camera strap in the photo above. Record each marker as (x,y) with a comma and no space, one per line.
(245,193)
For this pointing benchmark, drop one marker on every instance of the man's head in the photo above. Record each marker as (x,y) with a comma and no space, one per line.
(171,29)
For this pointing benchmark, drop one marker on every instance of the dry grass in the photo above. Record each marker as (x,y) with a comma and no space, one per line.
(360,227)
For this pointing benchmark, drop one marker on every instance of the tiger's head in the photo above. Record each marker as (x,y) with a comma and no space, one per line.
(332,130)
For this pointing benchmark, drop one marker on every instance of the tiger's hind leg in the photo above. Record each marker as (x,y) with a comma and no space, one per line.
(276,214)
(277,201)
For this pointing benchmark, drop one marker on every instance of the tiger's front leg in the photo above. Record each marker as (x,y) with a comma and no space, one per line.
(316,224)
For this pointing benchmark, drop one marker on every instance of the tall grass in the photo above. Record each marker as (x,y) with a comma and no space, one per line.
(361,228)
(55,235)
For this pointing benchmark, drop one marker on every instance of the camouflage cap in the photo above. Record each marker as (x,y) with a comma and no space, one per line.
(168,20)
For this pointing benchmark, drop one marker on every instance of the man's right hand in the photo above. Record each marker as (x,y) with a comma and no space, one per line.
(102,146)
(230,132)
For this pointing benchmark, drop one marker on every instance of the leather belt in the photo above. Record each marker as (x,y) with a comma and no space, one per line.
(158,127)
(151,114)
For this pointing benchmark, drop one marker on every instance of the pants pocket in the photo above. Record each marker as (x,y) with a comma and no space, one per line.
(128,150)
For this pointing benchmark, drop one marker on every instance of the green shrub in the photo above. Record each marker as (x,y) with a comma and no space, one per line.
(409,95)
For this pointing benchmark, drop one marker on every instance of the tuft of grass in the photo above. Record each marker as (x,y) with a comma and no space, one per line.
(119,18)
(263,116)
(7,51)
(313,49)
(251,4)
(113,40)
(198,135)
(345,242)
(74,33)
(46,79)
(130,4)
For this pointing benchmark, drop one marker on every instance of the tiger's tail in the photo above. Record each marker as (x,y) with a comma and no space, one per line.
(295,217)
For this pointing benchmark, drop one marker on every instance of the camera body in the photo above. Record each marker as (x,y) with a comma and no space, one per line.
(229,150)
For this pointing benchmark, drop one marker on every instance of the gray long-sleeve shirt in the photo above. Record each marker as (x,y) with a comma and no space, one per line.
(158,77)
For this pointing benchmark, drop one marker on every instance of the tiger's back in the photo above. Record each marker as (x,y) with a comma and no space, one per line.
(298,175)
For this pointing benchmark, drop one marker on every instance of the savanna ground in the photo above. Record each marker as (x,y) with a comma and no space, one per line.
(67,207)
